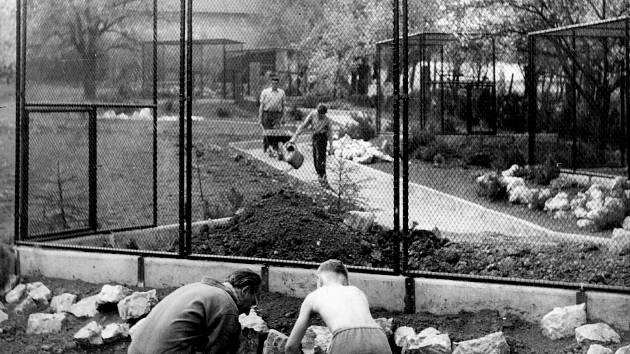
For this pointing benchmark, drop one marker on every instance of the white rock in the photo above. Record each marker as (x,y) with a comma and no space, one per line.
(579,201)
(85,308)
(27,305)
(63,302)
(623,350)
(595,191)
(253,321)
(618,186)
(626,223)
(521,195)
(16,294)
(3,316)
(620,241)
(598,349)
(33,285)
(114,332)
(561,322)
(386,324)
(44,323)
(580,213)
(90,334)
(510,171)
(402,334)
(111,294)
(586,224)
(137,304)
(39,293)
(433,344)
(511,182)
(10,284)
(559,202)
(359,220)
(494,343)
(415,341)
(598,332)
(275,343)
(316,340)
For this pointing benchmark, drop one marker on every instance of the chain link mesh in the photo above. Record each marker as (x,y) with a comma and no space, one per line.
(557,216)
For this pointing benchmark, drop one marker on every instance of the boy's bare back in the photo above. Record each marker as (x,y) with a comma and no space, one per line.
(341,306)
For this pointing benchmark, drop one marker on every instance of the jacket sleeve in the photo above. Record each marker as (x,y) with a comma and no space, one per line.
(225,338)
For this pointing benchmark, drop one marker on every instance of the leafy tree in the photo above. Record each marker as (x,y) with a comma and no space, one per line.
(88,28)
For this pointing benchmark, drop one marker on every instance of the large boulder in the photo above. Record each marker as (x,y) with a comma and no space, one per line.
(557,203)
(620,241)
(253,330)
(39,293)
(402,334)
(114,332)
(137,305)
(586,224)
(626,222)
(428,341)
(510,172)
(598,349)
(598,332)
(316,340)
(16,294)
(63,302)
(85,308)
(90,334)
(275,343)
(521,195)
(111,294)
(561,322)
(494,343)
(44,323)
(611,214)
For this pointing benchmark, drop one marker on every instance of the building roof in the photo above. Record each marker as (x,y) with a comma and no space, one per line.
(614,27)
(433,38)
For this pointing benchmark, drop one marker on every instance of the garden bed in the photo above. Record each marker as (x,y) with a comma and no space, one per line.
(280,313)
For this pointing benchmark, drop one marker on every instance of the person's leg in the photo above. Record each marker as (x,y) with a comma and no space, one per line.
(266,125)
(319,156)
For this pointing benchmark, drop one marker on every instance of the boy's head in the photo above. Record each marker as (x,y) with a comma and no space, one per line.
(322,109)
(332,271)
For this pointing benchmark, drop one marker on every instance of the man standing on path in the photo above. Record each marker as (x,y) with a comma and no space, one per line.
(322,136)
(271,111)
(346,312)
(198,317)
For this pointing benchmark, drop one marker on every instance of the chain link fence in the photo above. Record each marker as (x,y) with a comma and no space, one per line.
(165,129)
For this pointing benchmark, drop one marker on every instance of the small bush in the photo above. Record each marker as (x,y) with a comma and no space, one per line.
(428,153)
(364,130)
(419,137)
(506,157)
(223,112)
(545,173)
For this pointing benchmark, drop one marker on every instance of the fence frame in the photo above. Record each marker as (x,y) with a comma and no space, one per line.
(604,29)
(400,237)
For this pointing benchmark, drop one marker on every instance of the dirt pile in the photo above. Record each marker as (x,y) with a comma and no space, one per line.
(290,225)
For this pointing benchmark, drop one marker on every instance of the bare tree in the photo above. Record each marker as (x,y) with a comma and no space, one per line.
(92,28)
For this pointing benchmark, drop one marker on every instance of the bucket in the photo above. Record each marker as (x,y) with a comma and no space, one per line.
(292,155)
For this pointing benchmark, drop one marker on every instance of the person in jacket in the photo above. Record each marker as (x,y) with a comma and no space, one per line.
(200,317)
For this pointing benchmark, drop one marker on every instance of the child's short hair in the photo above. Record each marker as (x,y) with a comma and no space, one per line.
(334,266)
(322,109)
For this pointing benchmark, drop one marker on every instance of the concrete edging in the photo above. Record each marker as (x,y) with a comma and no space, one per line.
(389,292)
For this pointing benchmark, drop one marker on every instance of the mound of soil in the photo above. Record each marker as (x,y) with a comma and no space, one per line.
(290,225)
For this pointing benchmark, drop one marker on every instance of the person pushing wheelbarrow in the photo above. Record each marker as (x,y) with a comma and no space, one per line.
(271,115)
(321,126)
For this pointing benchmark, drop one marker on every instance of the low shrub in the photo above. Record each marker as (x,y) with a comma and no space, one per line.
(428,153)
(545,173)
(419,137)
(364,130)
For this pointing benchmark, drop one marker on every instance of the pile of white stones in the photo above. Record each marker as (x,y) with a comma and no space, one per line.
(597,208)
(564,322)
(131,306)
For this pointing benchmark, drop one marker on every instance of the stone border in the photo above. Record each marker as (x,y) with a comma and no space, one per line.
(389,292)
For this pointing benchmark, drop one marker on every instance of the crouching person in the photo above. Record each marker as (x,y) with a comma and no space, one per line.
(198,317)
(346,312)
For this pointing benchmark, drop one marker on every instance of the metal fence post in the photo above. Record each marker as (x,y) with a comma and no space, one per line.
(182,114)
(573,104)
(18,117)
(92,170)
(155,122)
(405,142)
(626,84)
(396,123)
(189,96)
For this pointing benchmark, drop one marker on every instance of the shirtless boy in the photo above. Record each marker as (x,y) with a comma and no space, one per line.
(346,312)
